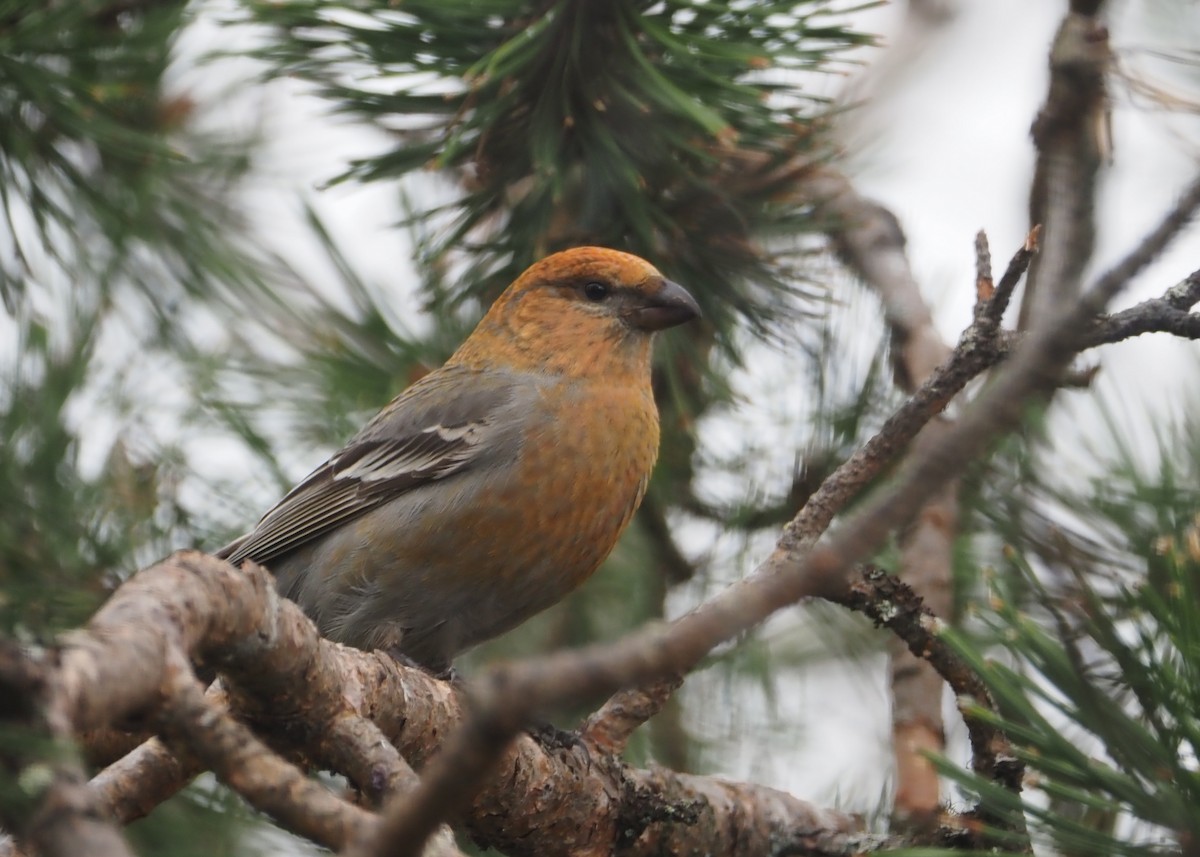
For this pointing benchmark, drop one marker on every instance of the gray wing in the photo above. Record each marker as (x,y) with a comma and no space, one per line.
(450,421)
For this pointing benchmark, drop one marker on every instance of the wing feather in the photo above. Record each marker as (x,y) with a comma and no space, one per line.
(423,436)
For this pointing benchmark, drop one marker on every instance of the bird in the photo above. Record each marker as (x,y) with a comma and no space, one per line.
(496,484)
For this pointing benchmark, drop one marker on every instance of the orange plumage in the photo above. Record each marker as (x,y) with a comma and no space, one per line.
(496,484)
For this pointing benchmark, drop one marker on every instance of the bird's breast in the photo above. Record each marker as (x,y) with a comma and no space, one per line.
(583,467)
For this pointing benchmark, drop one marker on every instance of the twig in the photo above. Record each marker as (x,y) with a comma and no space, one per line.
(984,286)
(610,727)
(892,604)
(1071,136)
(1167,314)
(989,314)
(978,349)
(1148,249)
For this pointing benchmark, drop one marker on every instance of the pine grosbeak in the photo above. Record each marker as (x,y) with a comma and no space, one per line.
(495,485)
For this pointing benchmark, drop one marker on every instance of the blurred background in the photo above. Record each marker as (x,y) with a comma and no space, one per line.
(232,231)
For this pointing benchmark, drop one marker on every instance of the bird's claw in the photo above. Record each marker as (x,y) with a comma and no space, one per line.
(550,738)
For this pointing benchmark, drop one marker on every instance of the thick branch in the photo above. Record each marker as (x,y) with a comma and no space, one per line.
(539,802)
(47,802)
(248,766)
(117,668)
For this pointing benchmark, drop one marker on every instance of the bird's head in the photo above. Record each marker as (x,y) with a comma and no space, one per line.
(588,309)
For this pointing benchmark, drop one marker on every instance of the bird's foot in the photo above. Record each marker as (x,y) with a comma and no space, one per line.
(441,672)
(550,738)
(451,675)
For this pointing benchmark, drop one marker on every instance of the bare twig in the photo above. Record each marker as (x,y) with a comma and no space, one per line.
(984,286)
(892,604)
(989,315)
(978,348)
(1166,314)
(1149,248)
(1156,315)
(610,727)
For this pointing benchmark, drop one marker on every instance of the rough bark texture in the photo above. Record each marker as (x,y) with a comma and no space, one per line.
(293,688)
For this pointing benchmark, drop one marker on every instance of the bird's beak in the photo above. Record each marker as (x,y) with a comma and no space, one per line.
(669,306)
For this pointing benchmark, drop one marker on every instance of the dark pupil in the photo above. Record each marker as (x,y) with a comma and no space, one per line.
(595,291)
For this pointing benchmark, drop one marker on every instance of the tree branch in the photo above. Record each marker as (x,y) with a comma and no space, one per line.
(979,348)
(540,802)
(610,727)
(1071,135)
(47,802)
(248,766)
(892,604)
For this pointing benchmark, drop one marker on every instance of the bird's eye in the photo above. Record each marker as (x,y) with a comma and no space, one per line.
(595,292)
